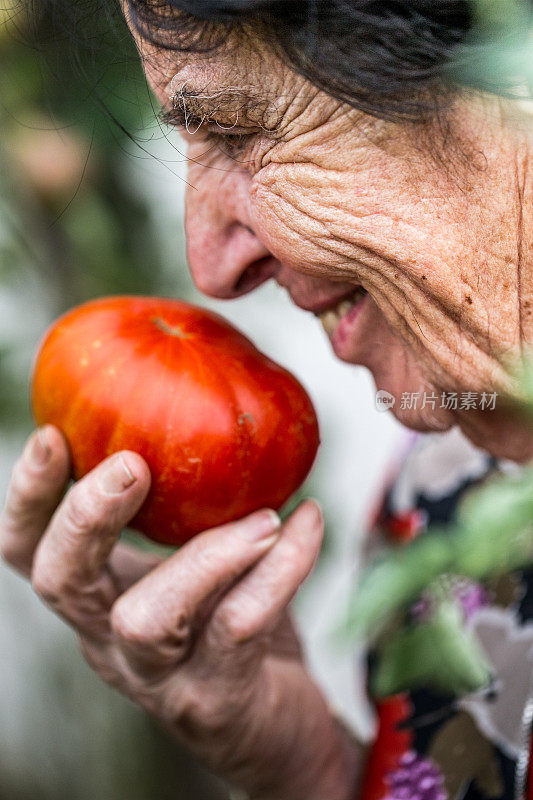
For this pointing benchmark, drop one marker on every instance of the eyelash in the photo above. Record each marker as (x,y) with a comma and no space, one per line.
(232,144)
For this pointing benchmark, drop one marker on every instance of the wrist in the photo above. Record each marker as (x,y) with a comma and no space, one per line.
(315,757)
(336,772)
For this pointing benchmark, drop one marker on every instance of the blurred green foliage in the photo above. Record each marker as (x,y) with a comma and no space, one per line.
(75,108)
(499,55)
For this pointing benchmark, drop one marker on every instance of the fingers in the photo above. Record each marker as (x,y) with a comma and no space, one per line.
(70,569)
(156,618)
(255,605)
(38,481)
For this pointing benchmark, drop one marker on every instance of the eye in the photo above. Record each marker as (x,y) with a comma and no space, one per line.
(230,141)
(231,144)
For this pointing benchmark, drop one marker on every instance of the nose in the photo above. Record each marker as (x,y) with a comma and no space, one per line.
(226,259)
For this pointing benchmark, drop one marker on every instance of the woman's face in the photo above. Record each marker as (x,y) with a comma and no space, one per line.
(433,223)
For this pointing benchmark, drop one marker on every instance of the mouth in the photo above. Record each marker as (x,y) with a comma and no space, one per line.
(347,307)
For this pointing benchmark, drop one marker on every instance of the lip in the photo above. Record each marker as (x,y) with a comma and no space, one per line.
(345,334)
(325,305)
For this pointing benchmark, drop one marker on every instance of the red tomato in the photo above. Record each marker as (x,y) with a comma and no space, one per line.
(224,430)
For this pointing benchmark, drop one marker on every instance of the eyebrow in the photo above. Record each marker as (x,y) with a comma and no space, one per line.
(229,108)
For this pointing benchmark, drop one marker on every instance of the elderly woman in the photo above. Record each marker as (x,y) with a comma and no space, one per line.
(328,152)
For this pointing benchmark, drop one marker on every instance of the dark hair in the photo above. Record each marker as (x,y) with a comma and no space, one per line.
(393,59)
(385,57)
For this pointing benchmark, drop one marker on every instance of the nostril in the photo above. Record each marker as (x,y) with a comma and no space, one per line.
(255,274)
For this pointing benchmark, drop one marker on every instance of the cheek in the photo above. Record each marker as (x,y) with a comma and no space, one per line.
(203,159)
(290,221)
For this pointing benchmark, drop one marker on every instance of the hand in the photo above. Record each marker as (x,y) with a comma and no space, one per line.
(202,639)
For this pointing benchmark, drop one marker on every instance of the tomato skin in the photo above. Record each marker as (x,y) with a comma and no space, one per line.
(223,429)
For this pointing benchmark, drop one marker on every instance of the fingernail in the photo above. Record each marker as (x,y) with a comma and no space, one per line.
(260,526)
(116,476)
(38,450)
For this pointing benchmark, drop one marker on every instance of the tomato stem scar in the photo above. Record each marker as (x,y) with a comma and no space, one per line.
(173,330)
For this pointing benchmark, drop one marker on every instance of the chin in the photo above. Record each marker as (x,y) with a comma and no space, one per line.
(425,420)
(506,432)
(416,404)
(415,401)
(362,336)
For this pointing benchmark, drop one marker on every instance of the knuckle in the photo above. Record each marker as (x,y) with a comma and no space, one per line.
(10,550)
(52,583)
(131,626)
(20,480)
(201,712)
(46,584)
(232,626)
(22,492)
(178,639)
(81,512)
(139,630)
(12,553)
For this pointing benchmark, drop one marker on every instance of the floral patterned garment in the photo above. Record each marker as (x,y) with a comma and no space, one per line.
(451,677)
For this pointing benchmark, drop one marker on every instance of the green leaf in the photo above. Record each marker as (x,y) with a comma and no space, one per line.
(496,530)
(395,580)
(440,654)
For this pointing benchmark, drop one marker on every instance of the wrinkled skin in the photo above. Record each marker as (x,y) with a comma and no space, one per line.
(321,198)
(433,221)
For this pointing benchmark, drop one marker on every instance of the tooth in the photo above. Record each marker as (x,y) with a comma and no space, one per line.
(329,320)
(344,307)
